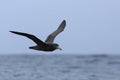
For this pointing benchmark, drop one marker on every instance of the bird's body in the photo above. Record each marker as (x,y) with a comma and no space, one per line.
(48,45)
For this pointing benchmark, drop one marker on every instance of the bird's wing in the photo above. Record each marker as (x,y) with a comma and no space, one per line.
(52,36)
(32,37)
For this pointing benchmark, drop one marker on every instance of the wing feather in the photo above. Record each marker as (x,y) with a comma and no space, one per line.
(32,37)
(52,36)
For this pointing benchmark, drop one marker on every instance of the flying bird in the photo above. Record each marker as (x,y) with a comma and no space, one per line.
(49,44)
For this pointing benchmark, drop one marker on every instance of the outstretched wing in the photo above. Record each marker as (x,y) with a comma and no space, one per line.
(32,37)
(52,36)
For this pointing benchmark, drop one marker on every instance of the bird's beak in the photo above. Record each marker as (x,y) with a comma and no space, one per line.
(59,48)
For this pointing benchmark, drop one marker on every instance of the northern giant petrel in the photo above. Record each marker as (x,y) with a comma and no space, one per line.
(48,45)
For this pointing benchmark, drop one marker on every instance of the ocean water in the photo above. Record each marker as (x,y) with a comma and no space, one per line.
(59,67)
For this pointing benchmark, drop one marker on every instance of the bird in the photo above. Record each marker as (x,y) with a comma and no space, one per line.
(48,45)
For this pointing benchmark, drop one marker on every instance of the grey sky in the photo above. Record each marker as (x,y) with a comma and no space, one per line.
(93,26)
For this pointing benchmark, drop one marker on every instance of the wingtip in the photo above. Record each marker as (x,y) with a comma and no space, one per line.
(14,32)
(64,21)
(11,31)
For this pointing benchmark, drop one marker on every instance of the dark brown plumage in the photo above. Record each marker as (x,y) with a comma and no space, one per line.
(48,45)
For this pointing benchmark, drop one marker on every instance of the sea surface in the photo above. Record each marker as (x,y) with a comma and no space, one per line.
(59,67)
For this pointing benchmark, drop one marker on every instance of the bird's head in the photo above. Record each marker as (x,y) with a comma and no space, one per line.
(57,46)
